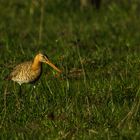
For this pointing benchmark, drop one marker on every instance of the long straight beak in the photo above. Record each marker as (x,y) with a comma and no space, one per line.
(53,66)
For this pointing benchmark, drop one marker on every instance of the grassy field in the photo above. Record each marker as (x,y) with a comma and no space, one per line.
(98,94)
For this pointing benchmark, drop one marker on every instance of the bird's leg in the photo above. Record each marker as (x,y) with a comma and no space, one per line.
(20,91)
(17,97)
(14,87)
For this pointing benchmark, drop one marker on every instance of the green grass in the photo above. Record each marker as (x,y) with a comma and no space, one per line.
(98,94)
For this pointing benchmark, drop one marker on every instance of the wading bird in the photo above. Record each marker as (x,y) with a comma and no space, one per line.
(30,71)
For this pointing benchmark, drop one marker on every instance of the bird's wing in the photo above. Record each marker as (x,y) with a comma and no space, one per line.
(18,69)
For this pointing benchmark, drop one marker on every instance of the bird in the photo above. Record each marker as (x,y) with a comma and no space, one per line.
(30,71)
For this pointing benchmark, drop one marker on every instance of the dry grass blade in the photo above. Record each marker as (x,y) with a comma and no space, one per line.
(75,73)
(132,113)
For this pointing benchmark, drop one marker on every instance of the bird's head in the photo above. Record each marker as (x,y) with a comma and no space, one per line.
(43,58)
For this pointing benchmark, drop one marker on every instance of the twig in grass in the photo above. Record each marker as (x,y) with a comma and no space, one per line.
(137,108)
(81,65)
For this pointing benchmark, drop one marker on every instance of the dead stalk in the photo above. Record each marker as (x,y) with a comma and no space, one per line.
(41,21)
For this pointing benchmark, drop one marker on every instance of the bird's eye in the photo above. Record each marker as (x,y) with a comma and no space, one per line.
(44,57)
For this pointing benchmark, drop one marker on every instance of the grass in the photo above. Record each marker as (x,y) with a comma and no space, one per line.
(98,94)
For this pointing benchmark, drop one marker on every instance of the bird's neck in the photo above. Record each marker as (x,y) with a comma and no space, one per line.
(36,64)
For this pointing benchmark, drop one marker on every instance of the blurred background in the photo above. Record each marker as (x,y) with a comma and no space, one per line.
(36,21)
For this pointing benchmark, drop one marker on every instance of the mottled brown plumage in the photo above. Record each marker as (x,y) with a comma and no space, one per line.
(29,71)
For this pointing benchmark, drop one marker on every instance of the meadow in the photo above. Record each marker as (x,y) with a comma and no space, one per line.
(98,94)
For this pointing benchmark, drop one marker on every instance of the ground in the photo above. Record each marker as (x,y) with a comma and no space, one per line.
(98,94)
